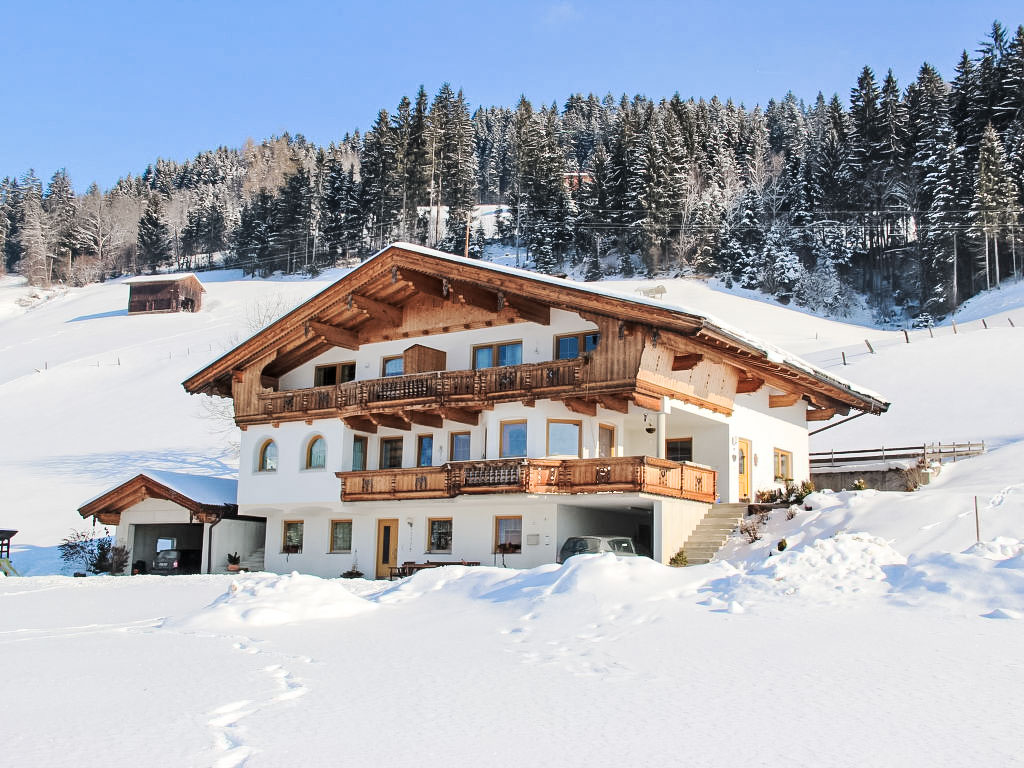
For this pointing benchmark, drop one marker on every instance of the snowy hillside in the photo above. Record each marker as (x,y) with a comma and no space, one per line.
(871,640)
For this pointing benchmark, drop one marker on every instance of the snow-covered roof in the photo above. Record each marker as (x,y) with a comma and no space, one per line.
(170,278)
(202,490)
(772,352)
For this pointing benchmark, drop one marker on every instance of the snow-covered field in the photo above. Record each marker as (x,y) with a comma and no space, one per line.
(882,635)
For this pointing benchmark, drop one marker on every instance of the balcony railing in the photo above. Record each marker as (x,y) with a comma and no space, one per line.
(627,474)
(421,390)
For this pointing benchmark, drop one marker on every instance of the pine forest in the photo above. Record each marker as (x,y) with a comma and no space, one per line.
(910,196)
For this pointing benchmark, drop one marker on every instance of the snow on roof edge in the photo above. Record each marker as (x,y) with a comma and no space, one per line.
(204,489)
(168,278)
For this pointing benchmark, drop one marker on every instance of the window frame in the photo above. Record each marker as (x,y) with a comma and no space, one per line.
(309,453)
(601,427)
(330,537)
(419,449)
(669,440)
(579,437)
(581,343)
(493,346)
(261,457)
(451,444)
(497,530)
(365,441)
(384,366)
(337,372)
(430,535)
(501,438)
(284,536)
(384,441)
(779,453)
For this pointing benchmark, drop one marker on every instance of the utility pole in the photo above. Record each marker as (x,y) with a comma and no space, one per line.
(469,217)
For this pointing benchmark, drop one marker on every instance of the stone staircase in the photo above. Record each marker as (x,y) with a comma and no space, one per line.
(712,532)
(254,562)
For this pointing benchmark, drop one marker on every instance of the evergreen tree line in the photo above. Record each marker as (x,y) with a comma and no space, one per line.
(912,196)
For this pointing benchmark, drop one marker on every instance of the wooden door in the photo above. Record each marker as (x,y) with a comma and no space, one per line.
(387,547)
(743,451)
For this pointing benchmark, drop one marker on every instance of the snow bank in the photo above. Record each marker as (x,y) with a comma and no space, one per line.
(263,600)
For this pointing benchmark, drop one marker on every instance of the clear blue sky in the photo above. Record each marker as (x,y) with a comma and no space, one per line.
(104,88)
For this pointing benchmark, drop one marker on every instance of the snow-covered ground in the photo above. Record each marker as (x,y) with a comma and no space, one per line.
(882,635)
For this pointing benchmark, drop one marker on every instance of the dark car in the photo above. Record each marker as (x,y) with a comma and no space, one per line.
(177,561)
(621,546)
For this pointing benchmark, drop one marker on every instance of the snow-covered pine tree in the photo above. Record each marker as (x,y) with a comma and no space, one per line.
(995,205)
(154,239)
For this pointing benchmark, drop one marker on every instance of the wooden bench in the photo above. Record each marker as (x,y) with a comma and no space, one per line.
(409,567)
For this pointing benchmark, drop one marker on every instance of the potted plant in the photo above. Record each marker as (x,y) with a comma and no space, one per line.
(234,562)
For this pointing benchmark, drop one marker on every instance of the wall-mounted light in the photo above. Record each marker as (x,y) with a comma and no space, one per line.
(648,426)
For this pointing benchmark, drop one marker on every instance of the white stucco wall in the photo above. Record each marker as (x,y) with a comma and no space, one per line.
(674,521)
(767,429)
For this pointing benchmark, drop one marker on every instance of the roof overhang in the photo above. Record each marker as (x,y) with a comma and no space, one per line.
(107,508)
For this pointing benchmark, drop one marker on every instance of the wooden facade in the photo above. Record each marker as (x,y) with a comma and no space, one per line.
(171,293)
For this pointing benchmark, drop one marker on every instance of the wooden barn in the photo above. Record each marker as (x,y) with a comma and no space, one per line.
(165,293)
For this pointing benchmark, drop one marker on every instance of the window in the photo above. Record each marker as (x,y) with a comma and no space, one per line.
(513,439)
(391,453)
(459,448)
(316,453)
(491,355)
(679,449)
(564,437)
(440,535)
(783,466)
(508,534)
(358,453)
(335,373)
(605,441)
(575,345)
(291,541)
(424,450)
(268,457)
(341,535)
(392,366)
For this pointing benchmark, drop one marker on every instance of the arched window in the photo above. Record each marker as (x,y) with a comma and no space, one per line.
(316,453)
(268,457)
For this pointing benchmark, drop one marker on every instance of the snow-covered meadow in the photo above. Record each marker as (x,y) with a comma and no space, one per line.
(883,635)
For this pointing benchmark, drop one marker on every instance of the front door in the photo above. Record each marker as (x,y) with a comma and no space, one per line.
(743,450)
(387,547)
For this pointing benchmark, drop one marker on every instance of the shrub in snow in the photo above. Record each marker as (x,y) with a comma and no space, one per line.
(678,560)
(751,528)
(859,485)
(791,512)
(781,546)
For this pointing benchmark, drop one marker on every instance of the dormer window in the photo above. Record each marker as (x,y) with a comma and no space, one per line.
(492,355)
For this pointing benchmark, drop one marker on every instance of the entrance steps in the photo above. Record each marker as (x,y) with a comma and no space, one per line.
(712,532)
(254,562)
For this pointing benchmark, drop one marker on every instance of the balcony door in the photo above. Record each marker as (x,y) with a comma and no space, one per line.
(387,547)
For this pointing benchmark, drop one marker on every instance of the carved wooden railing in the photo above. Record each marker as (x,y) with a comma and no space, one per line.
(436,389)
(635,474)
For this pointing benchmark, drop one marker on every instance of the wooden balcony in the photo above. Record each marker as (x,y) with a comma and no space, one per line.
(431,392)
(627,474)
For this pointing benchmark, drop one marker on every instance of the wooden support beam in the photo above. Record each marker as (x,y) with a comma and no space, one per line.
(784,400)
(620,404)
(360,424)
(646,401)
(431,286)
(477,297)
(578,405)
(747,384)
(686,362)
(820,414)
(461,415)
(390,420)
(378,310)
(425,418)
(339,337)
(530,310)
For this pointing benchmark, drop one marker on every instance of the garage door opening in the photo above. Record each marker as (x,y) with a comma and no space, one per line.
(151,539)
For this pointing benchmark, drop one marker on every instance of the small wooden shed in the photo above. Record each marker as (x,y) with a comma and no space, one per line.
(181,292)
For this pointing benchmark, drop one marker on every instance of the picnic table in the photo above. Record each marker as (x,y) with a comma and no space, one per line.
(408,568)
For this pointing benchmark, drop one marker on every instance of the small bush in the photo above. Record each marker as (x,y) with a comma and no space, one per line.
(859,485)
(781,546)
(791,512)
(679,560)
(791,493)
(751,528)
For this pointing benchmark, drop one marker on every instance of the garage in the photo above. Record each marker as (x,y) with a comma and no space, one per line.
(150,539)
